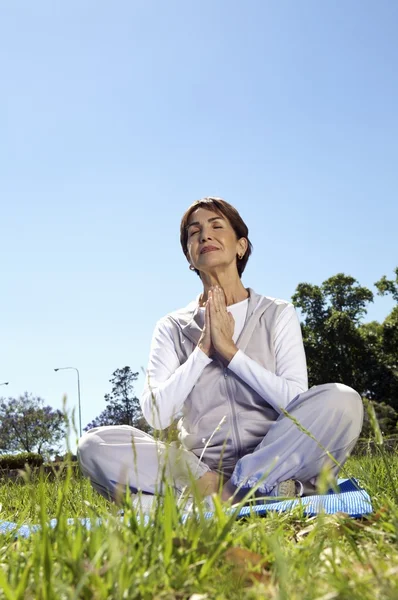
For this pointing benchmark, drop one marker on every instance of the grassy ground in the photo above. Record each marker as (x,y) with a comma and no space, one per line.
(280,556)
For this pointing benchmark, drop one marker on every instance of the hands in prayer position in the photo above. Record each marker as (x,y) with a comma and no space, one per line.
(218,328)
(217,337)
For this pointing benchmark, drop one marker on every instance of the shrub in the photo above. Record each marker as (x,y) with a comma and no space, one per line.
(387,418)
(18,461)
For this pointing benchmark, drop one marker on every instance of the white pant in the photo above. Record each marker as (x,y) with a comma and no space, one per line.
(124,455)
(332,413)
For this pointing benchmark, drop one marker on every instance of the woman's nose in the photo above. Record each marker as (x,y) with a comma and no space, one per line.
(205,236)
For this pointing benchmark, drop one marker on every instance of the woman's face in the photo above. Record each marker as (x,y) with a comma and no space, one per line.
(212,241)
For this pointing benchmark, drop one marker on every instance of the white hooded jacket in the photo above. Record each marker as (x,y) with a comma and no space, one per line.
(246,396)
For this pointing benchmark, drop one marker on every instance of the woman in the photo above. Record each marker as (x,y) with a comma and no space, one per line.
(232,363)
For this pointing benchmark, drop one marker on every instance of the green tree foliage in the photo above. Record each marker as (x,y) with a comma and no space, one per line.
(28,425)
(388,286)
(339,347)
(333,344)
(387,418)
(123,407)
(389,331)
(382,343)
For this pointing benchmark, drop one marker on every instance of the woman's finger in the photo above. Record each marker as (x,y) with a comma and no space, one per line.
(221,297)
(207,316)
(214,297)
(220,300)
(213,305)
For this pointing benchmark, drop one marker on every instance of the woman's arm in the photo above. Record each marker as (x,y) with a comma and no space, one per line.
(290,377)
(167,382)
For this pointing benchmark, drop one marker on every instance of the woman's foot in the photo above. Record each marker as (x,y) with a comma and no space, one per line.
(208,484)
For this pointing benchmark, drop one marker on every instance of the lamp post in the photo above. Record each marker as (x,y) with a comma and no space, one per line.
(5,383)
(78,394)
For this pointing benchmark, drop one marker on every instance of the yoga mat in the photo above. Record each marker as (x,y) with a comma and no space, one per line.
(350,499)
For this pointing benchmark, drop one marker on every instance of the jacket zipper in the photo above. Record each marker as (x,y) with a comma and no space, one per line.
(235,427)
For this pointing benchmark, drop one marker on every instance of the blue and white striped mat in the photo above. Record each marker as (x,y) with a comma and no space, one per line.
(351,500)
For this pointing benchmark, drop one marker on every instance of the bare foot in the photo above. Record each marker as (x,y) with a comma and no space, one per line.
(208,484)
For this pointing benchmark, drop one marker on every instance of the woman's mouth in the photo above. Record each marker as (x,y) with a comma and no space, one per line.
(208,249)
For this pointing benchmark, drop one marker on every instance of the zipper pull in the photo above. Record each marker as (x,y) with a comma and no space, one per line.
(225,373)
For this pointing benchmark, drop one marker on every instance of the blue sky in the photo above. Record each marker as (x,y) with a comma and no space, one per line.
(114,117)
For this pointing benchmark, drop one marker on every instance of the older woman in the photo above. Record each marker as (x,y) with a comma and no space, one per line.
(230,365)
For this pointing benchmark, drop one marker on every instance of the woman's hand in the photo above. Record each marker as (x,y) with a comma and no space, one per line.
(222,324)
(205,343)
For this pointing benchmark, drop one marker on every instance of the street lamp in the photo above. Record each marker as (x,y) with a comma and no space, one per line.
(5,383)
(78,394)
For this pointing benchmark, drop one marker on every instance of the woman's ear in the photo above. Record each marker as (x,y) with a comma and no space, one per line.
(242,246)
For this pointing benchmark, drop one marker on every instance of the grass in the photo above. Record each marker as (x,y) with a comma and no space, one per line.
(281,556)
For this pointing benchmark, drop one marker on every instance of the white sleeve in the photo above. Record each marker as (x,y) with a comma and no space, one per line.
(290,377)
(168,383)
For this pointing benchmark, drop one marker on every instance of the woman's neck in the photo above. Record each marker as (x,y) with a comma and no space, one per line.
(234,290)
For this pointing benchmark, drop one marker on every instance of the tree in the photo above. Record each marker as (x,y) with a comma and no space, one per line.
(339,347)
(386,417)
(385,340)
(380,363)
(333,344)
(388,286)
(123,406)
(389,332)
(27,425)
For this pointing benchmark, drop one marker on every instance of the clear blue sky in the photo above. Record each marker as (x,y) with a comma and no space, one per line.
(115,116)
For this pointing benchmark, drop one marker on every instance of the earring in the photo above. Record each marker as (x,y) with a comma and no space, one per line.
(191,268)
(240,256)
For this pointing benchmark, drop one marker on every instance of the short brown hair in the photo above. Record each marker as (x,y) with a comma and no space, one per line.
(219,206)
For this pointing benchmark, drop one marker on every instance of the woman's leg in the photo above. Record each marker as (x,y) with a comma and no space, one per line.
(332,413)
(117,456)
